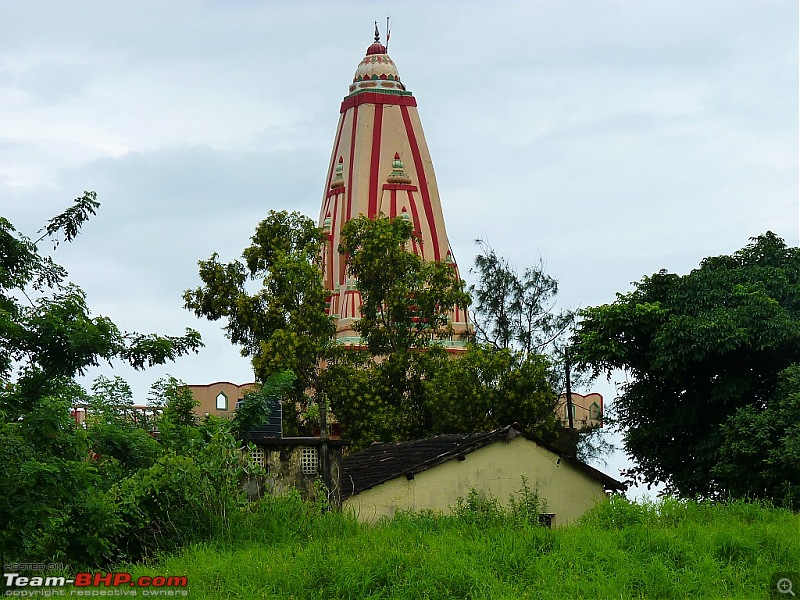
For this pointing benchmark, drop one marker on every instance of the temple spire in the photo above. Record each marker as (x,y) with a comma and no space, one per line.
(380,164)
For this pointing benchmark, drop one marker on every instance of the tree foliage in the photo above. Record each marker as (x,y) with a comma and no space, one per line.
(46,327)
(283,325)
(705,353)
(380,400)
(406,386)
(177,424)
(759,453)
(55,503)
(418,394)
(257,405)
(70,221)
(406,300)
(512,310)
(486,388)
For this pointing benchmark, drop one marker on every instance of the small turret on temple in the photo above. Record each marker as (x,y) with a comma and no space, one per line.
(380,163)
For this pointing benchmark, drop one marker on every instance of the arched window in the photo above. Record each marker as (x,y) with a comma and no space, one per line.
(222,401)
(595,413)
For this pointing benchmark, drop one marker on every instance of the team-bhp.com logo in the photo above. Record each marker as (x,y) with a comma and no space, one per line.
(95,584)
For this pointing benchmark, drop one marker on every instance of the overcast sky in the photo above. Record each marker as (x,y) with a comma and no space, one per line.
(611,138)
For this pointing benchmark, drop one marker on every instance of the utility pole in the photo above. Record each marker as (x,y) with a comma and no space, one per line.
(324,457)
(569,390)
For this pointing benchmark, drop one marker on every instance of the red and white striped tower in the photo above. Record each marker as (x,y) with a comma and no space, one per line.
(380,164)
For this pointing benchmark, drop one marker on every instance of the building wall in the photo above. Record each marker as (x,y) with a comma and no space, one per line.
(587,410)
(495,470)
(295,465)
(207,394)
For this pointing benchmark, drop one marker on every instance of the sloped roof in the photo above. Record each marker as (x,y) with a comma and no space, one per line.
(382,462)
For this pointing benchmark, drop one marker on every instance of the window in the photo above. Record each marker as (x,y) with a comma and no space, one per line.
(547,520)
(308,461)
(222,401)
(258,456)
(594,412)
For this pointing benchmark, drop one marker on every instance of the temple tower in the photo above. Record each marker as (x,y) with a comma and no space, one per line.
(380,164)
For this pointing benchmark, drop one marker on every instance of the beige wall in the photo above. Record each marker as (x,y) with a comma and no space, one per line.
(495,470)
(584,416)
(206,395)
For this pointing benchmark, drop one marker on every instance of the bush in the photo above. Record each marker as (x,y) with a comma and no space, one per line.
(183,498)
(122,449)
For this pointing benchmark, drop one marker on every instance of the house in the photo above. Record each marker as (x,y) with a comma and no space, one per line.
(219,398)
(587,410)
(433,473)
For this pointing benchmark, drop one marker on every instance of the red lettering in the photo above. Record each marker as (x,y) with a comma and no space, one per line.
(120,578)
(159,581)
(83,579)
(143,581)
(98,578)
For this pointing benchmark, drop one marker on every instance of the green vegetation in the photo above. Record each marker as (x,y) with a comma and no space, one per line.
(406,300)
(57,480)
(513,311)
(403,385)
(712,408)
(112,494)
(285,548)
(283,326)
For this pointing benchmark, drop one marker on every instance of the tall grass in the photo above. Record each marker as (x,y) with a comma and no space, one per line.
(285,548)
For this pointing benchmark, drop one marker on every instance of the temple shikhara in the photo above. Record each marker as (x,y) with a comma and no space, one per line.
(380,164)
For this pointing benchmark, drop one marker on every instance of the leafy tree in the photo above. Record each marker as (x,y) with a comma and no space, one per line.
(759,454)
(420,394)
(517,313)
(283,326)
(406,300)
(705,353)
(118,441)
(53,504)
(257,405)
(487,388)
(380,400)
(109,401)
(406,386)
(177,423)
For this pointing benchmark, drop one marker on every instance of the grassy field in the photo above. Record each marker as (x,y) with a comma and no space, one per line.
(285,548)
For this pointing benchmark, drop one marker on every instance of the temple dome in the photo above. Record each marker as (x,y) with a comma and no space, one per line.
(376,72)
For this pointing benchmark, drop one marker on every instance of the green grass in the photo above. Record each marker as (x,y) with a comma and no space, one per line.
(284,548)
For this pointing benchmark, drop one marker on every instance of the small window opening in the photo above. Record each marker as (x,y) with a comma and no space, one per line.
(258,456)
(308,461)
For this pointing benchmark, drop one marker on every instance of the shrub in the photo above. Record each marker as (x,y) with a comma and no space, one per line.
(183,498)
